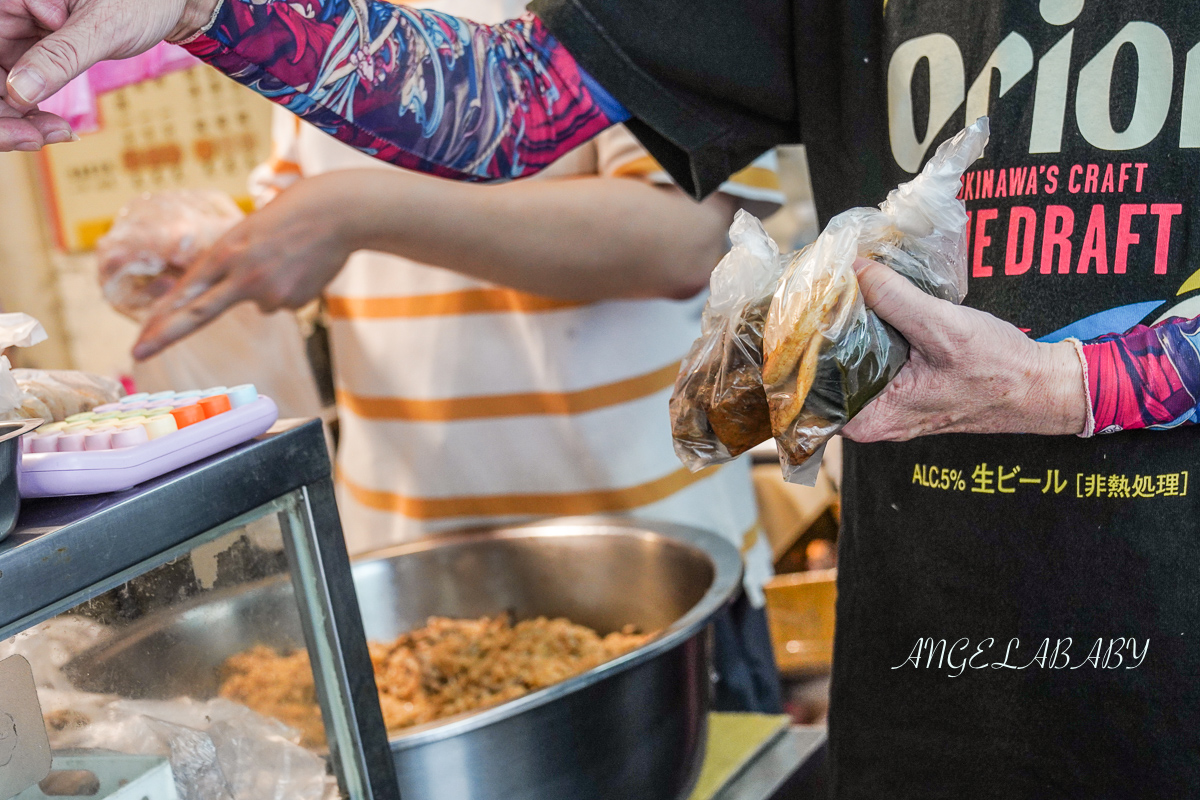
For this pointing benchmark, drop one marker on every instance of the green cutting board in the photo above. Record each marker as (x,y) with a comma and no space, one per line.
(733,740)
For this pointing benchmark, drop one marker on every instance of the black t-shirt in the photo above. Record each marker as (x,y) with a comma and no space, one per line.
(1017,615)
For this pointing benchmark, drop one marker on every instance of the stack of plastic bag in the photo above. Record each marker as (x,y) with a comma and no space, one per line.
(824,355)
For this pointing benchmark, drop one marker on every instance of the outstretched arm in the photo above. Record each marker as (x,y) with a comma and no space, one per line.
(420,89)
(579,239)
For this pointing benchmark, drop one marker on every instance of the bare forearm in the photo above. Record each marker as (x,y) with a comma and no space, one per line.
(583,239)
(580,239)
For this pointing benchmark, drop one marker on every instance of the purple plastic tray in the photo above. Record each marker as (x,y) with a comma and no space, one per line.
(57,474)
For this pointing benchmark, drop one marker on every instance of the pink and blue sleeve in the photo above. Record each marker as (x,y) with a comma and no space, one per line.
(422,90)
(1148,377)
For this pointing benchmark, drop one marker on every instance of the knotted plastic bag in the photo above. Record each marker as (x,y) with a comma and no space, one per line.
(16,330)
(826,355)
(719,407)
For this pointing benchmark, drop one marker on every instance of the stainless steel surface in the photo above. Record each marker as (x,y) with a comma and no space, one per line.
(632,729)
(324,591)
(10,454)
(24,746)
(777,765)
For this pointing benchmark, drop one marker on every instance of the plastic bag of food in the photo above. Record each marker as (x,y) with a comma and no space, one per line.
(54,395)
(154,239)
(719,407)
(826,355)
(16,330)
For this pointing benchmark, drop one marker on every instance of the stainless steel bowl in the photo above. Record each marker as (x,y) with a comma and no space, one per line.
(10,459)
(633,728)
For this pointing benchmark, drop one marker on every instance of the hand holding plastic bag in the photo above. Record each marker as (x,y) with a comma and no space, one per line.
(154,239)
(821,354)
(826,355)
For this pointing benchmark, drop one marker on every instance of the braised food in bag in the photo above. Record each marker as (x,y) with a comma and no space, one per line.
(826,355)
(719,407)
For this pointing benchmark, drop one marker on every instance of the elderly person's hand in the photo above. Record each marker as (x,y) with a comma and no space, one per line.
(46,43)
(968,372)
(28,132)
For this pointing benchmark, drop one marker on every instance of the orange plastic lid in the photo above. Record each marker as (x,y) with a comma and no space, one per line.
(188,415)
(217,404)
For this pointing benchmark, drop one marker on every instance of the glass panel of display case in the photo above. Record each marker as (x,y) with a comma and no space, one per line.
(171,680)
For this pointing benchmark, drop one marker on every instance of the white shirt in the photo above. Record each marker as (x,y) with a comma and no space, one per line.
(462,403)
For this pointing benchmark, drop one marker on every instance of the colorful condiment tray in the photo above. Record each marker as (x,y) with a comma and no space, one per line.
(119,445)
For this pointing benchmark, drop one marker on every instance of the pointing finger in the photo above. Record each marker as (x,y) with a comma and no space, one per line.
(199,295)
(172,324)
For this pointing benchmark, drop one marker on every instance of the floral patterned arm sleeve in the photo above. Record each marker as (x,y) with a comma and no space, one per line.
(419,89)
(1148,377)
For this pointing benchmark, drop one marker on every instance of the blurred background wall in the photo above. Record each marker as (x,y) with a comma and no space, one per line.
(188,129)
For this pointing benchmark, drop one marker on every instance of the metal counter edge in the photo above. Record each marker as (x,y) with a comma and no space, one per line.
(64,545)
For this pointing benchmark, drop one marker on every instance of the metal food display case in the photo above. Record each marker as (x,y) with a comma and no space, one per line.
(81,571)
(127,604)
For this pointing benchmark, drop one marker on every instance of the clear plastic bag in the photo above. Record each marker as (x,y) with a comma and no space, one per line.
(825,354)
(16,330)
(218,749)
(154,239)
(719,407)
(54,395)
